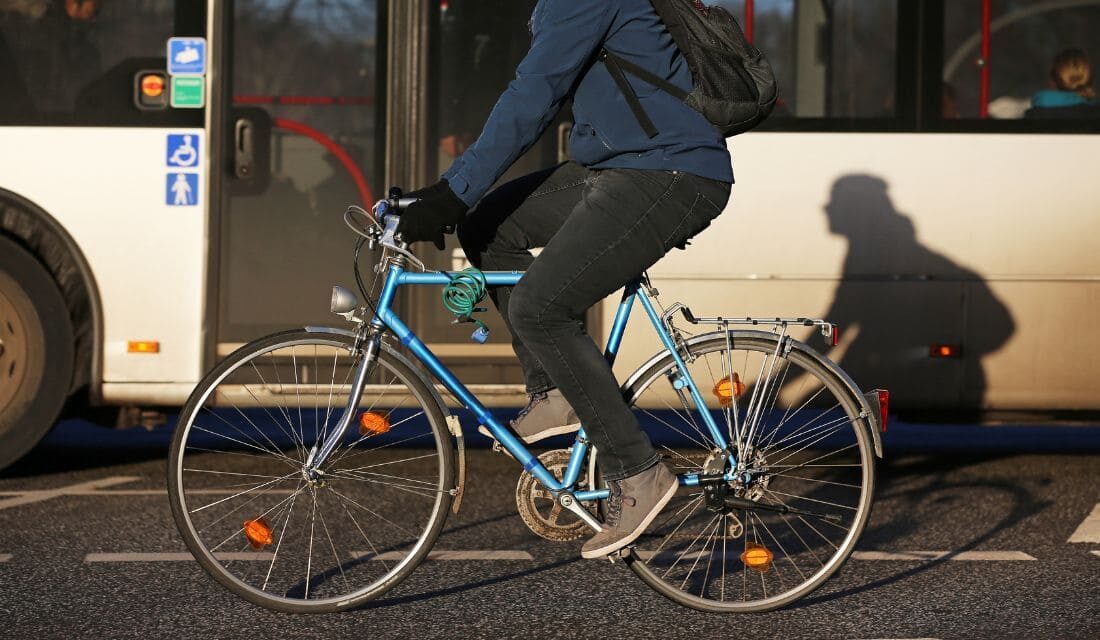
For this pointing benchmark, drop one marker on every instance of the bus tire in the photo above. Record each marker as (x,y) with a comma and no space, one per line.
(36,351)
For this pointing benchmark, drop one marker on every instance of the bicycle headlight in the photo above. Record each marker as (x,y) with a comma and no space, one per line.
(343,301)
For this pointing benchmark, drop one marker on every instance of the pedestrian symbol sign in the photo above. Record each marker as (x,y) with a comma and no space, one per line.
(188,92)
(183,150)
(182,189)
(186,56)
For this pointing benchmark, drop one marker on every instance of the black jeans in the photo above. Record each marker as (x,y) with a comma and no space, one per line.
(599,230)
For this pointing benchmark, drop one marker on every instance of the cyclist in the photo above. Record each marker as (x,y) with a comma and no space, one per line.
(624,200)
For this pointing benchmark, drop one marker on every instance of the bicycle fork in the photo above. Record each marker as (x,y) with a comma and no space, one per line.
(328,442)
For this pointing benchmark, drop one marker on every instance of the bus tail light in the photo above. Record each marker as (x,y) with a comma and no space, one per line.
(945,351)
(143,346)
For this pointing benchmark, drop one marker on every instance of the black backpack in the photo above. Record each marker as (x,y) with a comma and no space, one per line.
(734,85)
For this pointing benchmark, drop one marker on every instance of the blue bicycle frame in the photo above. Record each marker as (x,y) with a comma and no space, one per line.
(385,317)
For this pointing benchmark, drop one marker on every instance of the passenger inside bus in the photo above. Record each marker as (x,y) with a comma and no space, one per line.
(1071,93)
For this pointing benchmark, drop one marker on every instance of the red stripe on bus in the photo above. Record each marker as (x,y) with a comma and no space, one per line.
(338,101)
(750,19)
(335,149)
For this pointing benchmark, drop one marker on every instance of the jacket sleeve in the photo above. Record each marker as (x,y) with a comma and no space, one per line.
(565,35)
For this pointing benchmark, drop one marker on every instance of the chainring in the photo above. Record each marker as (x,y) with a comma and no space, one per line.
(540,511)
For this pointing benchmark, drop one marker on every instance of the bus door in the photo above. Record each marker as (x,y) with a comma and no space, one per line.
(299,140)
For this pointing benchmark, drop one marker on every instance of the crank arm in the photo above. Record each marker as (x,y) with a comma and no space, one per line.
(749,505)
(571,503)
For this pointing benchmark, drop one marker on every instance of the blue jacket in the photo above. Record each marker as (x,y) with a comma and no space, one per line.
(566,37)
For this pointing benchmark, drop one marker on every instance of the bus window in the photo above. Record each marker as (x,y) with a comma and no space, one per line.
(1021,40)
(834,60)
(307,71)
(74,61)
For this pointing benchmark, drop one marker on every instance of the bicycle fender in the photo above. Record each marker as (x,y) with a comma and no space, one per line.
(453,423)
(872,420)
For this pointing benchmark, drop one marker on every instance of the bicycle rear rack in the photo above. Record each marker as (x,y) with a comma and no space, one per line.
(829,330)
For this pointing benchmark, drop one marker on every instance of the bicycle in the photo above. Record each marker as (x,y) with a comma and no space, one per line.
(288,506)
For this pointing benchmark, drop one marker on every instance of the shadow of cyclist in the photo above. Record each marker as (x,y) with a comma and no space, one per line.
(927,300)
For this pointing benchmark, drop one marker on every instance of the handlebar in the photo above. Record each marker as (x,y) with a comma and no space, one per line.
(387,214)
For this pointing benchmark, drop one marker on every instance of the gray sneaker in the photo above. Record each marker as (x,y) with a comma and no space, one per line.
(634,503)
(546,414)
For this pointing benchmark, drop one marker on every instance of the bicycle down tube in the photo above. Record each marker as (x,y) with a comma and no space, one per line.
(385,317)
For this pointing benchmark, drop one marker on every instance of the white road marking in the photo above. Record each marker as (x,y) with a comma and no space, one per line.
(28,497)
(4,557)
(1089,529)
(449,554)
(172,557)
(979,556)
(392,556)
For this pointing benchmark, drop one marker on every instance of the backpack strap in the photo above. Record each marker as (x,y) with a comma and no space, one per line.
(615,66)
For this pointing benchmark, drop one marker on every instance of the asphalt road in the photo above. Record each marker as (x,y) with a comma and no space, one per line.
(970,538)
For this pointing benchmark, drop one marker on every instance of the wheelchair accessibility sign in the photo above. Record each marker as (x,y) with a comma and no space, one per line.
(186,56)
(182,190)
(183,150)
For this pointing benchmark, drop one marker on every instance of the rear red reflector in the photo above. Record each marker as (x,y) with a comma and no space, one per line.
(883,407)
(836,334)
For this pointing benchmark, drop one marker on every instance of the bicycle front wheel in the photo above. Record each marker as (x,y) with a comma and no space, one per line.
(799,473)
(288,540)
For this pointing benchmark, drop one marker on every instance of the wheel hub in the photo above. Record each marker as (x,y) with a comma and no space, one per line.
(13,351)
(749,481)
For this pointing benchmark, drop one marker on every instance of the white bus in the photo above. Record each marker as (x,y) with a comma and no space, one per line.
(145,233)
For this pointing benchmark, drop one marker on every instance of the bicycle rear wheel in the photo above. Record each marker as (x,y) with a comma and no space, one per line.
(802,469)
(269,532)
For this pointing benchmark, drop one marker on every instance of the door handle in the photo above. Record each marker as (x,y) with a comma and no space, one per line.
(244,149)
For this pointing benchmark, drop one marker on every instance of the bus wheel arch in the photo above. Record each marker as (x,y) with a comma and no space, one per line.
(27,229)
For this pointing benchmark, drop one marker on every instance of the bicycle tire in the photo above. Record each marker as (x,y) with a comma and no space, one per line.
(857,437)
(246,446)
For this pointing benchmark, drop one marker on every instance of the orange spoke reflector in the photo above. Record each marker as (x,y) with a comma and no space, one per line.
(756,556)
(373,423)
(258,533)
(729,388)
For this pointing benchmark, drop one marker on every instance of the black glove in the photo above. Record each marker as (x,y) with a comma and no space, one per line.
(437,211)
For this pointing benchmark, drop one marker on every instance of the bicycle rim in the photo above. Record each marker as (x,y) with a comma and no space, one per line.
(804,447)
(270,533)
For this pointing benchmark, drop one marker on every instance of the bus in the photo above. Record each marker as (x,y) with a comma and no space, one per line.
(173,175)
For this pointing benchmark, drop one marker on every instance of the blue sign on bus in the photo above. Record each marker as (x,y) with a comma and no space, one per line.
(182,189)
(186,56)
(183,150)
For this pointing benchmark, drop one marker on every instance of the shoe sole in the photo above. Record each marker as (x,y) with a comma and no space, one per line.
(542,435)
(610,548)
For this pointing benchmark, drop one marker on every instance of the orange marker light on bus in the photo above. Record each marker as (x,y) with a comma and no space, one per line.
(728,389)
(757,556)
(258,533)
(143,346)
(373,423)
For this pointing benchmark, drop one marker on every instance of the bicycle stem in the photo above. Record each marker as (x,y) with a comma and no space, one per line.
(332,440)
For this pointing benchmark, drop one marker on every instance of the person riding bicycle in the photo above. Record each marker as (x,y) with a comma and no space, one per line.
(624,200)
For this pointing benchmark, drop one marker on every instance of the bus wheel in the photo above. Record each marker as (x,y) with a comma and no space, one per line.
(36,351)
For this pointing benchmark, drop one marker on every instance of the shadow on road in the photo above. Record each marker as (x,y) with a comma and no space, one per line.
(915,489)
